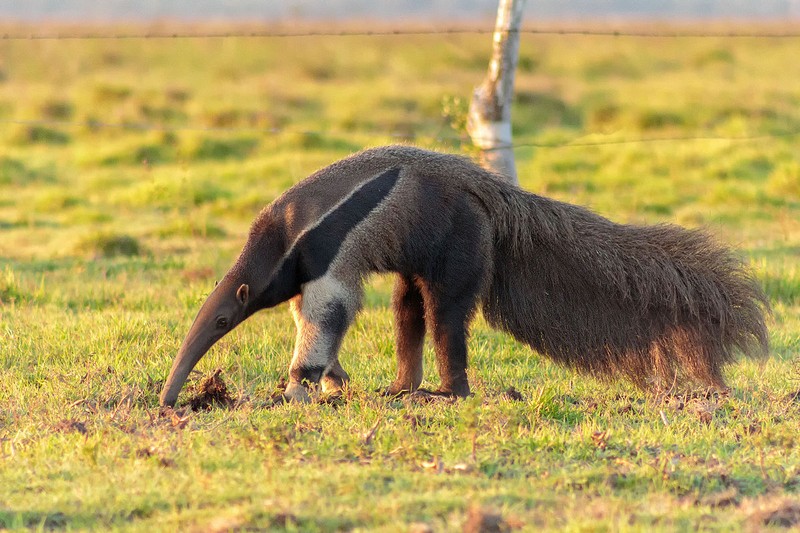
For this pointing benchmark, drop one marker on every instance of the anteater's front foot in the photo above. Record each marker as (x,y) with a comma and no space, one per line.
(332,387)
(334,381)
(297,392)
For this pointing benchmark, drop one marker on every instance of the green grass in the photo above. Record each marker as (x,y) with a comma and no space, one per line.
(111,235)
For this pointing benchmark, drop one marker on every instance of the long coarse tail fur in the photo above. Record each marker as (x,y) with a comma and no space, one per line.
(658,304)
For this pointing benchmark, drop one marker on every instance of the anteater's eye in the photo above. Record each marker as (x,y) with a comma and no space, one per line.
(222,322)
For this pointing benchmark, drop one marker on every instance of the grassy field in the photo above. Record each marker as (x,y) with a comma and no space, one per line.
(130,170)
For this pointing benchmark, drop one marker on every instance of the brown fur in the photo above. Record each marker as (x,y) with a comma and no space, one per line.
(657,304)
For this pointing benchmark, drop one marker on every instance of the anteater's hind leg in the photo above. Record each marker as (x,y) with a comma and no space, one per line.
(322,314)
(449,316)
(409,313)
(450,296)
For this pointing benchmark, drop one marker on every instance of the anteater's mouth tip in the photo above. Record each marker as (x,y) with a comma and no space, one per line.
(165,402)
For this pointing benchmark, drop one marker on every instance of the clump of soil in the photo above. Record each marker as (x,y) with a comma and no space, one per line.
(69,426)
(277,397)
(793,396)
(210,392)
(283,520)
(147,453)
(513,394)
(726,498)
(483,521)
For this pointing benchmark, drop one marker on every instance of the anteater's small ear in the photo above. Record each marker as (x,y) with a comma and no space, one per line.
(243,294)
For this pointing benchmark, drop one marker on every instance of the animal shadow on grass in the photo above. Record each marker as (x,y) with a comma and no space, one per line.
(212,391)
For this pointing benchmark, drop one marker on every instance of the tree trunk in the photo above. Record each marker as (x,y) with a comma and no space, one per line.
(489,119)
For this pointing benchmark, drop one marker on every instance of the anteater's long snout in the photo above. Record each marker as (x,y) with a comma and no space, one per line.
(224,308)
(192,350)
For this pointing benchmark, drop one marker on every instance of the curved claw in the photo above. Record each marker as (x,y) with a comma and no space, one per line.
(426,396)
(399,388)
(437,393)
(393,392)
(332,384)
(297,392)
(335,380)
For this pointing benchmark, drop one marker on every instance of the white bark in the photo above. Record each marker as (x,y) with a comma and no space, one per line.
(489,119)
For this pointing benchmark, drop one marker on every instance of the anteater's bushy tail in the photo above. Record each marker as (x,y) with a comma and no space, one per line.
(658,304)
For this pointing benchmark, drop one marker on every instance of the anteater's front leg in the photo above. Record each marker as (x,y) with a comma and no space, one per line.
(322,314)
(409,316)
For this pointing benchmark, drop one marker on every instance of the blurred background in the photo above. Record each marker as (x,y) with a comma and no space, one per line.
(447,10)
(152,133)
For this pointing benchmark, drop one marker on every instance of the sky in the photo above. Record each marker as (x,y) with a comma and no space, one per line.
(389,10)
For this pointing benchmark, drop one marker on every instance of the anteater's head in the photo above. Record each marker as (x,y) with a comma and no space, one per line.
(262,277)
(222,311)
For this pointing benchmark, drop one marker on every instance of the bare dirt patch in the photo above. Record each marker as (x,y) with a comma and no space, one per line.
(785,515)
(153,452)
(481,520)
(729,497)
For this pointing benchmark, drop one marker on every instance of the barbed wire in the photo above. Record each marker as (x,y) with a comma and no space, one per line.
(736,34)
(650,140)
(529,142)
